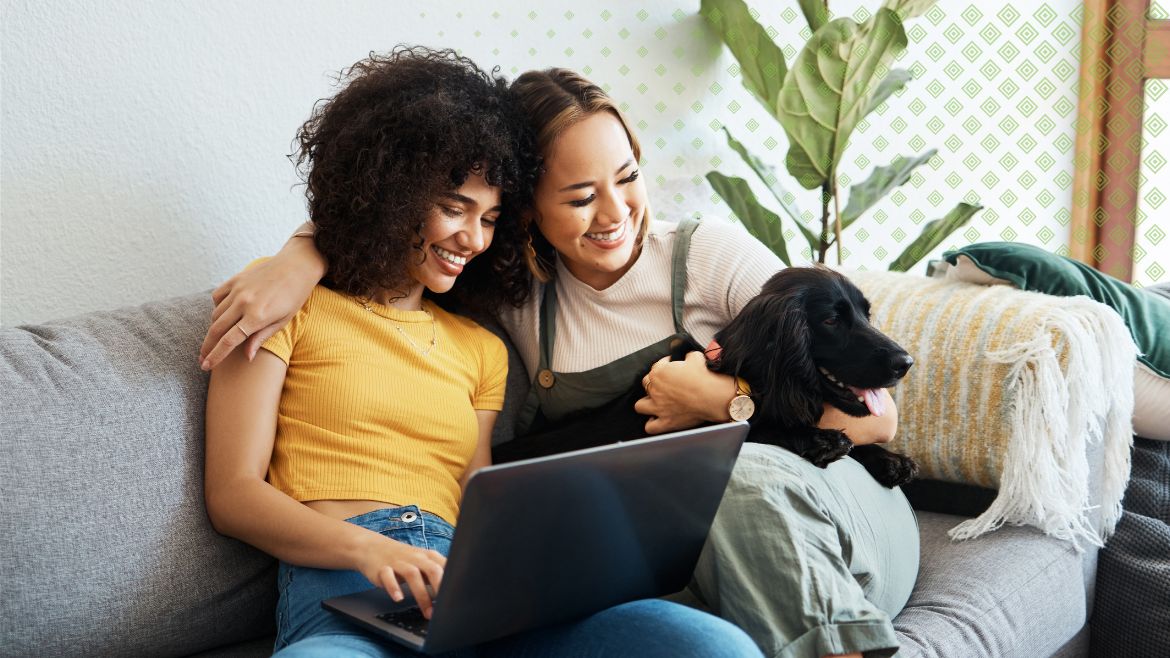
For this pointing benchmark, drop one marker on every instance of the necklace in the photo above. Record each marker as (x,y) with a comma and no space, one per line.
(434,331)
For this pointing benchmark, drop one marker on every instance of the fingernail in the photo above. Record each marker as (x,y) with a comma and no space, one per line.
(206,365)
(397,596)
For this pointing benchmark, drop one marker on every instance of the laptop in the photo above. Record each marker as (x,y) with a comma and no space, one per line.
(552,539)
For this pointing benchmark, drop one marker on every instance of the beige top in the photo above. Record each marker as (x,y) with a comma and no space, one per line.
(726,267)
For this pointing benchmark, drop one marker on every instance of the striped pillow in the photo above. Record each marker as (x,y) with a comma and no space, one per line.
(1008,390)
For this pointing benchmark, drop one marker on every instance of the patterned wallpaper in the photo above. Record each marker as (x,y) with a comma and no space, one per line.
(1152,251)
(994,90)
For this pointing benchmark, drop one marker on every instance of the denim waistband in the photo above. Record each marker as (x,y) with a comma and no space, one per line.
(407,516)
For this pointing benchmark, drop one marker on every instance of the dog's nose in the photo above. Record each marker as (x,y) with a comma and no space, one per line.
(900,364)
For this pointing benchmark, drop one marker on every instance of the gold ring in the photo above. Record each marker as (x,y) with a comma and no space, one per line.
(246,334)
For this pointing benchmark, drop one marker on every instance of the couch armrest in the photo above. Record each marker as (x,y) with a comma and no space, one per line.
(1013,391)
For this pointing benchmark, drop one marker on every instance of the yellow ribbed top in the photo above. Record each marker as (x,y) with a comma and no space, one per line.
(365,415)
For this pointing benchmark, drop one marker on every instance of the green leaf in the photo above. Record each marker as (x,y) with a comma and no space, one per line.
(758,220)
(767,174)
(888,87)
(865,194)
(760,60)
(815,12)
(908,9)
(933,234)
(830,88)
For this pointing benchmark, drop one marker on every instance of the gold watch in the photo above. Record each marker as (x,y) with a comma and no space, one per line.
(741,406)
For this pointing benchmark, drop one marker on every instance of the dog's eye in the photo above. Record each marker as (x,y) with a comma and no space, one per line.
(831,322)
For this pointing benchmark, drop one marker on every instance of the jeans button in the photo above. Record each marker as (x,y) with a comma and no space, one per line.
(409,517)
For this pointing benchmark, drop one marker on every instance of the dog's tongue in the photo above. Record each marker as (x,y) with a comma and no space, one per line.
(873,399)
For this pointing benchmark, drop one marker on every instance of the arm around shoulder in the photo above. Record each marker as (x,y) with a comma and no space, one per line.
(257,302)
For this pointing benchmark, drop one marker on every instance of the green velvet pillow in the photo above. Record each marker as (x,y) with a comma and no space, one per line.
(1032,268)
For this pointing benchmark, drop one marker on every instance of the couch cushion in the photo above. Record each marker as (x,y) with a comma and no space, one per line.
(258,648)
(1012,592)
(105,538)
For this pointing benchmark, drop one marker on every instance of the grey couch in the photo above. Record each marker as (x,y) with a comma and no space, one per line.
(107,549)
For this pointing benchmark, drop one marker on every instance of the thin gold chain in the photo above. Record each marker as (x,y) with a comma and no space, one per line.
(434,331)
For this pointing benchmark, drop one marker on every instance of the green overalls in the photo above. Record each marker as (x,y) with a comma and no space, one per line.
(775,503)
(554,395)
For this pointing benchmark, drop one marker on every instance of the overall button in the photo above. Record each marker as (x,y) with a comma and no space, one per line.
(675,343)
(409,517)
(545,378)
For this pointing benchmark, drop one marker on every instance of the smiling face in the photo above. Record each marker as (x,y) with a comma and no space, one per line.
(459,228)
(591,200)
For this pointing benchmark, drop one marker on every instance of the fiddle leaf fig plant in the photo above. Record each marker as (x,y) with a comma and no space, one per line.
(841,74)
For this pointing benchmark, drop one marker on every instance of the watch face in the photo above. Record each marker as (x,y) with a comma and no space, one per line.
(741,408)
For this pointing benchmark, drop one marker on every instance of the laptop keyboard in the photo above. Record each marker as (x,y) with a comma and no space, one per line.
(411,621)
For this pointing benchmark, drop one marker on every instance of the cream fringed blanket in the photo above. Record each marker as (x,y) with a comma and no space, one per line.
(1009,390)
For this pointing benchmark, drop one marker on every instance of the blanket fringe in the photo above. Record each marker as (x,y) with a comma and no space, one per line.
(1056,415)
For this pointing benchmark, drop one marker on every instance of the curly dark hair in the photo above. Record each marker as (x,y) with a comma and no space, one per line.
(406,127)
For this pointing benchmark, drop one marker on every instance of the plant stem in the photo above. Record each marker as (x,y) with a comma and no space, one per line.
(824,245)
(837,220)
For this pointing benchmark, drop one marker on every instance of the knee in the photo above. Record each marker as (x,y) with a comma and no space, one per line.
(685,631)
(331,646)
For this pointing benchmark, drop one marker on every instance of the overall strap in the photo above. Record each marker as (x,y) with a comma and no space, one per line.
(548,324)
(678,268)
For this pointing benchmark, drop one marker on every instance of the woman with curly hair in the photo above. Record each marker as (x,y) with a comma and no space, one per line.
(313,452)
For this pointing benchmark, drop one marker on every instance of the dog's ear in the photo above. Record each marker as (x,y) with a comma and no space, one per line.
(769,345)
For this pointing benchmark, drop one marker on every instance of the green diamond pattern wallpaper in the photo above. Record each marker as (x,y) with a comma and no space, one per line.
(155,164)
(1152,251)
(994,90)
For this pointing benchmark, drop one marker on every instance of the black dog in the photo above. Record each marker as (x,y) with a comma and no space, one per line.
(804,341)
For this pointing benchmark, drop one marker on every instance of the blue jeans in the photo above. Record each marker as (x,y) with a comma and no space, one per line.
(645,629)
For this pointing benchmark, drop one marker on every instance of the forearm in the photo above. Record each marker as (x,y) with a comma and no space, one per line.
(302,249)
(257,302)
(483,446)
(258,514)
(865,429)
(716,398)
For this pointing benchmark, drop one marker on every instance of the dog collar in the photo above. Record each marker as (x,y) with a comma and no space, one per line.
(713,350)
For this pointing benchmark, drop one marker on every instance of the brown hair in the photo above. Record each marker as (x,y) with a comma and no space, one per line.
(554,101)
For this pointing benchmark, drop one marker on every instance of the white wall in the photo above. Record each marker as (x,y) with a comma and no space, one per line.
(142,144)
